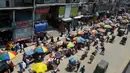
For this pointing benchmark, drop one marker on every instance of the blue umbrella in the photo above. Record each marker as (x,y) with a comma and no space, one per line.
(80,40)
(72,60)
(90,37)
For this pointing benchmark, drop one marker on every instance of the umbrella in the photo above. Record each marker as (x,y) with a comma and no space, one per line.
(97,25)
(70,45)
(42,49)
(74,33)
(112,24)
(101,30)
(7,55)
(60,43)
(72,60)
(80,33)
(30,52)
(101,23)
(94,31)
(90,37)
(79,39)
(39,67)
(107,26)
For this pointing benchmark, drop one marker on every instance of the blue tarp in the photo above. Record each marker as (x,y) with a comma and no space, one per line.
(30,52)
(41,27)
(72,60)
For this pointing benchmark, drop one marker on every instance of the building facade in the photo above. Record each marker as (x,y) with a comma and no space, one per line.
(21,16)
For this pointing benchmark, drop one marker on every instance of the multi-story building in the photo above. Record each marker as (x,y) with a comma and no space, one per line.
(20,18)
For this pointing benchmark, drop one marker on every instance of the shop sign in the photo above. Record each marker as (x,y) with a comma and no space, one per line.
(23,23)
(40,11)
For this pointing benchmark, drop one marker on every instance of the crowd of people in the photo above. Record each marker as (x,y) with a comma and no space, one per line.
(77,40)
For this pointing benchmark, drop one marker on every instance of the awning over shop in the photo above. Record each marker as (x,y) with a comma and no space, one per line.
(78,17)
(66,19)
(40,27)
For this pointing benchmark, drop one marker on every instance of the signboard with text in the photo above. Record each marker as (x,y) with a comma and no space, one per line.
(21,24)
(42,10)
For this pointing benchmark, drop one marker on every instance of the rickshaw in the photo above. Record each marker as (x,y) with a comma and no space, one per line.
(101,67)
(29,55)
(72,63)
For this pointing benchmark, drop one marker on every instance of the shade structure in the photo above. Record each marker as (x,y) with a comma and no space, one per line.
(74,33)
(70,45)
(7,55)
(101,23)
(101,30)
(73,60)
(79,39)
(39,67)
(112,25)
(41,49)
(60,43)
(94,31)
(29,52)
(97,25)
(80,33)
(107,26)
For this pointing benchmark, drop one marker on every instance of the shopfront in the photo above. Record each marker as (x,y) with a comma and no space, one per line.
(41,13)
(23,30)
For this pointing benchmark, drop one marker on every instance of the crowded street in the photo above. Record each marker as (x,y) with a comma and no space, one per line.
(115,54)
(64,36)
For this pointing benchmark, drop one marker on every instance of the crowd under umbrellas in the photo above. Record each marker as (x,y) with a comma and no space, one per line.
(96,35)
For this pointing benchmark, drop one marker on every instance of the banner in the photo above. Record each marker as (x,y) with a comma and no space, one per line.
(42,10)
(67,11)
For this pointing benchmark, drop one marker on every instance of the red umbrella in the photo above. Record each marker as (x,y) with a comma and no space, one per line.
(112,25)
(97,25)
(101,30)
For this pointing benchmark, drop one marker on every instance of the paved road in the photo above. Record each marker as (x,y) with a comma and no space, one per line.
(116,54)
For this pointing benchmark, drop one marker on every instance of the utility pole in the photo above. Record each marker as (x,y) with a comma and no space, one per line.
(33,18)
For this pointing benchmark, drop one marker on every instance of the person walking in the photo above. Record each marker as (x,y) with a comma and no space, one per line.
(16,47)
(22,47)
(107,38)
(22,66)
(82,70)
(78,65)
(91,58)
(52,39)
(102,50)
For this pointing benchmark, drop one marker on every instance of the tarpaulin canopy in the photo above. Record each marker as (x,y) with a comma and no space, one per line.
(40,27)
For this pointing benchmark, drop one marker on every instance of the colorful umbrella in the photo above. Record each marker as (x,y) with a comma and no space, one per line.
(94,31)
(42,49)
(107,26)
(101,23)
(60,43)
(70,45)
(80,33)
(39,67)
(72,60)
(101,30)
(7,55)
(97,25)
(74,33)
(79,39)
(112,24)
